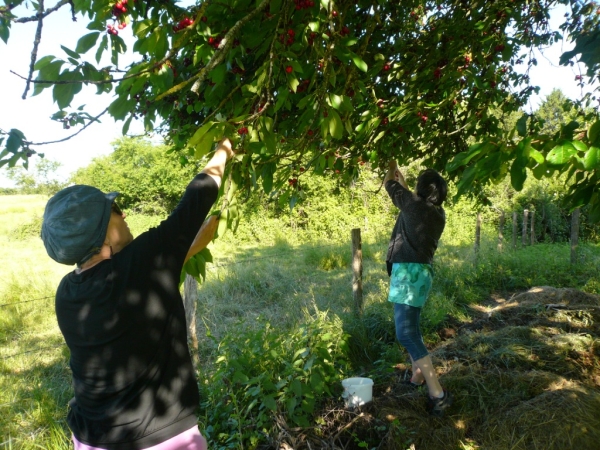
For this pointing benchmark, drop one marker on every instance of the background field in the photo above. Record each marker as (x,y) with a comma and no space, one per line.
(290,283)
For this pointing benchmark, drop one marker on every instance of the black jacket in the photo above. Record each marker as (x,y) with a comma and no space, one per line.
(417,230)
(124,323)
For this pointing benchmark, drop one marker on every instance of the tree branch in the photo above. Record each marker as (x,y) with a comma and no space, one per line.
(36,43)
(94,119)
(45,13)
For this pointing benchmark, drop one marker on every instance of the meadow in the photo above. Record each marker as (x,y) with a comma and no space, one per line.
(272,307)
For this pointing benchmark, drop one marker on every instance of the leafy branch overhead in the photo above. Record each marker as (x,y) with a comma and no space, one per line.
(327,86)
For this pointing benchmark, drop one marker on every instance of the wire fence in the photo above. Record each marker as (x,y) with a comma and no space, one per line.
(279,254)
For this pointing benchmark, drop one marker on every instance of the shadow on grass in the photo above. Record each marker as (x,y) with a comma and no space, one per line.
(36,388)
(528,378)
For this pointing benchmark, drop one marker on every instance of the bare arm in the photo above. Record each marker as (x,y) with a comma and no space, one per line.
(216,166)
(205,235)
(394,173)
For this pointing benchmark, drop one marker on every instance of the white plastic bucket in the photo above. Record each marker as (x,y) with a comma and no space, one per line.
(357,391)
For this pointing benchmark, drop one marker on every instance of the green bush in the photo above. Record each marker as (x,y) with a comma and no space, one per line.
(28,230)
(263,372)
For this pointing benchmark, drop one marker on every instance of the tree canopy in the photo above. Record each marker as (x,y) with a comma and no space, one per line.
(327,86)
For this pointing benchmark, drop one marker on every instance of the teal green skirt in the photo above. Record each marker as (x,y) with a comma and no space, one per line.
(410,283)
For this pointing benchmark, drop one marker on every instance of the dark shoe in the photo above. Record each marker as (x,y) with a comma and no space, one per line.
(437,406)
(411,384)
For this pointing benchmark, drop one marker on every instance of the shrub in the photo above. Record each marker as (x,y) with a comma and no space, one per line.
(28,230)
(262,373)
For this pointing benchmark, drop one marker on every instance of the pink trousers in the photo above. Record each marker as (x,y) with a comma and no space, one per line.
(188,440)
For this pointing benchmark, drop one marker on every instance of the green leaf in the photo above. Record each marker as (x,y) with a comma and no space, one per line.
(270,403)
(561,154)
(15,140)
(70,52)
(359,62)
(87,42)
(217,75)
(518,175)
(594,132)
(536,155)
(267,177)
(293,81)
(42,62)
(336,100)
(4,31)
(121,107)
(522,125)
(593,214)
(579,146)
(590,161)
(103,46)
(199,133)
(336,128)
(205,143)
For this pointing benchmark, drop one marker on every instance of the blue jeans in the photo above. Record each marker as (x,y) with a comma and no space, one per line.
(408,331)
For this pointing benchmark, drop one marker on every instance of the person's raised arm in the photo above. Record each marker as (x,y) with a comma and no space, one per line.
(216,166)
(394,173)
(205,235)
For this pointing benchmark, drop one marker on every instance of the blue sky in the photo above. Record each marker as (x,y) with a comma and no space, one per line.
(32,115)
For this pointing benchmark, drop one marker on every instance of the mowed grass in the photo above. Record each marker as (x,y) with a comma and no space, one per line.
(278,283)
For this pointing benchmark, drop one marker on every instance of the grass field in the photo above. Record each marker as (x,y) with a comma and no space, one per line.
(497,363)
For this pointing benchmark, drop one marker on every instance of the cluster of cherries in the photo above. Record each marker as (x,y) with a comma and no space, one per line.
(183,23)
(293,181)
(287,38)
(303,4)
(303,86)
(119,8)
(214,41)
(242,131)
(110,29)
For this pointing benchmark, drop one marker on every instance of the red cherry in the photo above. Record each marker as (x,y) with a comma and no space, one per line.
(291,32)
(385,121)
(310,132)
(386,67)
(211,40)
(302,169)
(289,69)
(334,13)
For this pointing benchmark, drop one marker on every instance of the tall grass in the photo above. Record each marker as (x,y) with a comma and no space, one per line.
(283,285)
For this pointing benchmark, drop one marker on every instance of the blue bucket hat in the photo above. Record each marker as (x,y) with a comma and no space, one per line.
(75,223)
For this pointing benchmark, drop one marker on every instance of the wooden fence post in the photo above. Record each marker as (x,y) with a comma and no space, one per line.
(501,232)
(357,270)
(532,227)
(514,233)
(190,297)
(478,233)
(525,214)
(574,235)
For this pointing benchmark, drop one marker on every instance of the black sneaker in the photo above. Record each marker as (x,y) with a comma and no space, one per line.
(437,406)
